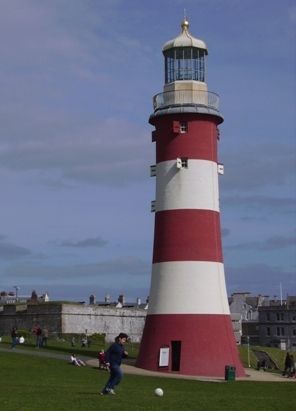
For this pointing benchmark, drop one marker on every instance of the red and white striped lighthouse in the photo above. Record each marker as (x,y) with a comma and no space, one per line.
(188,326)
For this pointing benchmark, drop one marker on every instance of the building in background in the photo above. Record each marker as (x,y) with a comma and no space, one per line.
(109,318)
(272,322)
(245,316)
(277,324)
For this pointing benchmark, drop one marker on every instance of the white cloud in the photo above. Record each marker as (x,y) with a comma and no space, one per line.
(76,82)
(123,270)
(273,243)
(260,278)
(63,94)
(259,164)
(292,14)
(88,242)
(112,152)
(10,251)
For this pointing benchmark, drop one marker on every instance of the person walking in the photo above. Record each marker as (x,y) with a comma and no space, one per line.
(288,365)
(44,337)
(113,357)
(14,337)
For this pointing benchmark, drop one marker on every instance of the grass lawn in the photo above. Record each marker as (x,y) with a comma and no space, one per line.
(64,347)
(29,383)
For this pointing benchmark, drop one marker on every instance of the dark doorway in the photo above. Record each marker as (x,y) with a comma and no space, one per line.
(176,355)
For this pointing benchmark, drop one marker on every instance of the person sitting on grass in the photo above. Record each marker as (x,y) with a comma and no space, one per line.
(102,360)
(77,361)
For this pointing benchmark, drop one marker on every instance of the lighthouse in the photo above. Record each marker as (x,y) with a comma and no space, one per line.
(188,328)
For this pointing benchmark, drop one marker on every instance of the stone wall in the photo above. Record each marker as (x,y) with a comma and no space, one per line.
(26,316)
(74,318)
(108,320)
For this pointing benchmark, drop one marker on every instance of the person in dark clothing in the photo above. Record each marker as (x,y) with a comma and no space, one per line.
(288,364)
(113,357)
(14,337)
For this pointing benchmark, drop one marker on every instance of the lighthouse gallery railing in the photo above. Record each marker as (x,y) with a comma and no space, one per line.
(186,97)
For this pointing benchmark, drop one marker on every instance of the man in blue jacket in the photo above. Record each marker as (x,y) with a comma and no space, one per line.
(114,356)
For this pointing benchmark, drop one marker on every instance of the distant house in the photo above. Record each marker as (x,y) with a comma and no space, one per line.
(277,324)
(263,321)
(11,297)
(245,316)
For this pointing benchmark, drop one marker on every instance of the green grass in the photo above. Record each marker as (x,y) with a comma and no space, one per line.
(277,355)
(243,352)
(64,346)
(28,383)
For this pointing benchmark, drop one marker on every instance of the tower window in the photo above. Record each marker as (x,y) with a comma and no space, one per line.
(220,168)
(153,170)
(153,206)
(182,162)
(183,127)
(184,63)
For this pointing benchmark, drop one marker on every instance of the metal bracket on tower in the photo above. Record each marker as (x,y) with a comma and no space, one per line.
(153,170)
(220,168)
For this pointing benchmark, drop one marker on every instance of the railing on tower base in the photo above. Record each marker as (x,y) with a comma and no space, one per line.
(186,97)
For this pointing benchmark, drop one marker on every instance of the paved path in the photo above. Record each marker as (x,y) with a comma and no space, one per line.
(251,374)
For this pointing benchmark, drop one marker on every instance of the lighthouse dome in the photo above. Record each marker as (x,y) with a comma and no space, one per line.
(185,39)
(185,57)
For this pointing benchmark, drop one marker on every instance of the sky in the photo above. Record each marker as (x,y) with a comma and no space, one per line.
(77,79)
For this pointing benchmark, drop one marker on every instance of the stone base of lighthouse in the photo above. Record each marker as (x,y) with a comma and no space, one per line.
(199,344)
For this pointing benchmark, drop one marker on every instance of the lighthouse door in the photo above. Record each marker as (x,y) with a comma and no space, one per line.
(176,355)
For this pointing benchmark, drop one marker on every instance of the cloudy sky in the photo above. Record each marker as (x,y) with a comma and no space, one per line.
(76,84)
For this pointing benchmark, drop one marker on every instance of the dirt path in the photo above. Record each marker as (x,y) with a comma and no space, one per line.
(251,374)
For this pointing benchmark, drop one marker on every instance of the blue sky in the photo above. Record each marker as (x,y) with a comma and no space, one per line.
(77,80)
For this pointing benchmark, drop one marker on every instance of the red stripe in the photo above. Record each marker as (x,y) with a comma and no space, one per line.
(187,235)
(207,344)
(200,142)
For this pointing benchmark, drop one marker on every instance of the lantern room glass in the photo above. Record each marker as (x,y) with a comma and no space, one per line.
(184,63)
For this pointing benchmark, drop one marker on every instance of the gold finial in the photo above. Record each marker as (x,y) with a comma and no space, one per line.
(185,23)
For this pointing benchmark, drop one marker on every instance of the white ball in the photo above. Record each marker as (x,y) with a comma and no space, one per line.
(158,392)
(21,340)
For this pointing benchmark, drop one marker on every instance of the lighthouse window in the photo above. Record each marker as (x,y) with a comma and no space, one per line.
(184,63)
(184,162)
(183,127)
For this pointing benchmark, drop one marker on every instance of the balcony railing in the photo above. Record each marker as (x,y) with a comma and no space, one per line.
(186,98)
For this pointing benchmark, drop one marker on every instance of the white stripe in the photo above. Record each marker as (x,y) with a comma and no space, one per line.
(188,287)
(195,187)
